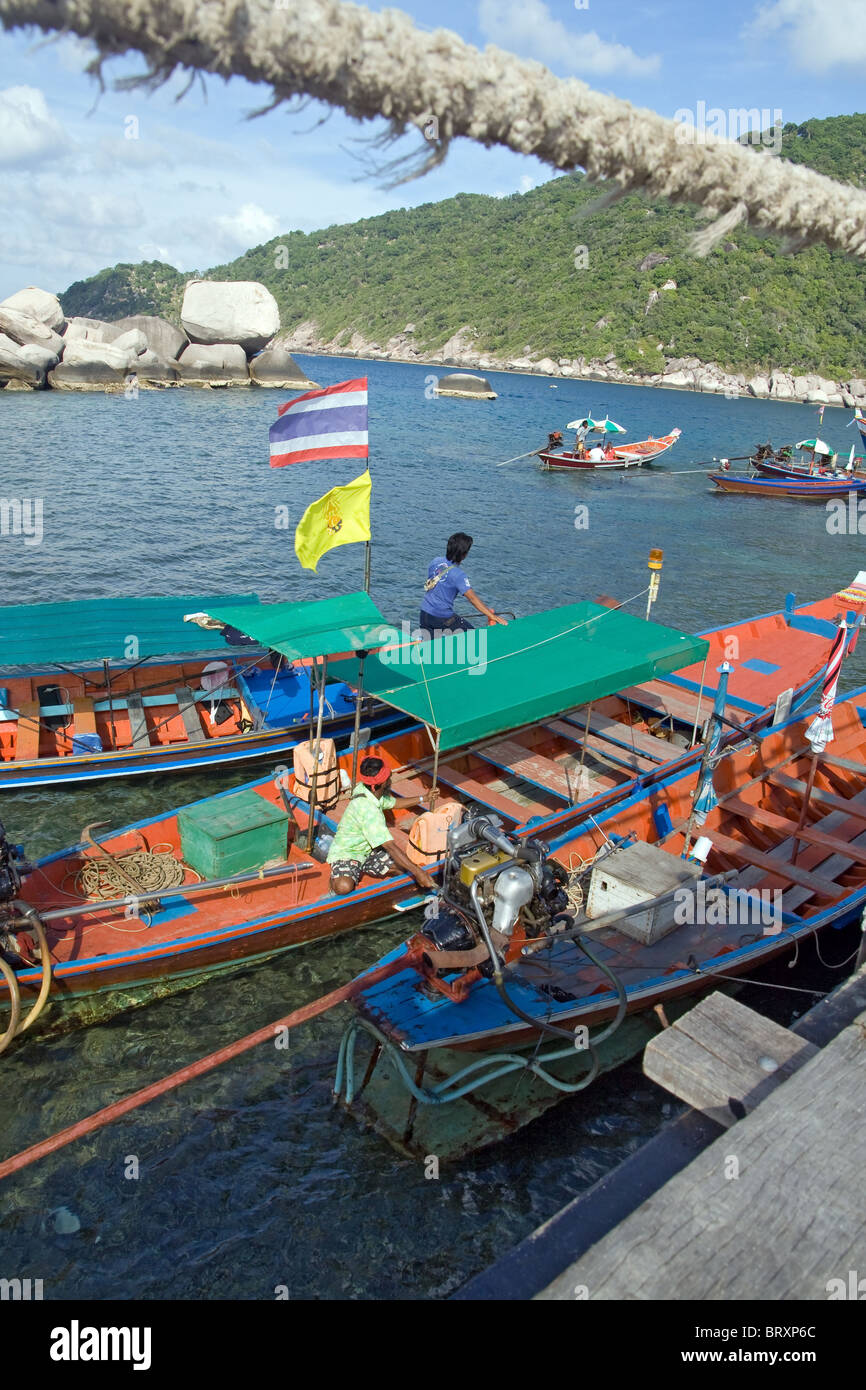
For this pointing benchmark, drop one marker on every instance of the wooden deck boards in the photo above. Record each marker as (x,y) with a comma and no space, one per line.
(137,721)
(486,796)
(807,834)
(190,715)
(778,867)
(791,1221)
(529,767)
(625,736)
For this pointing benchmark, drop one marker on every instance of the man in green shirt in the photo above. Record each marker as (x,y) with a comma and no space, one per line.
(363,843)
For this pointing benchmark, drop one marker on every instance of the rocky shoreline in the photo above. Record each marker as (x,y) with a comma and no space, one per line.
(230,336)
(681,373)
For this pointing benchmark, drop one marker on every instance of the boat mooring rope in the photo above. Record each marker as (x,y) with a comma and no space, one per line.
(152,870)
(381,64)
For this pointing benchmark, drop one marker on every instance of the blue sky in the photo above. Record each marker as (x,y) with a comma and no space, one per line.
(200,183)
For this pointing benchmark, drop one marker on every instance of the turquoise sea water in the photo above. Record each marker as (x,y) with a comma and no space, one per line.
(248,1180)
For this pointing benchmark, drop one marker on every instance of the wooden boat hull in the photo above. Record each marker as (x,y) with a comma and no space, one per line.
(771,469)
(165,738)
(621,456)
(814,490)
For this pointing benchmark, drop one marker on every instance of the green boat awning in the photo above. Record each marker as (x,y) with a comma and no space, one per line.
(472,686)
(48,634)
(324,627)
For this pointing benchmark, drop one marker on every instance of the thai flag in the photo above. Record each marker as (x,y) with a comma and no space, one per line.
(328,424)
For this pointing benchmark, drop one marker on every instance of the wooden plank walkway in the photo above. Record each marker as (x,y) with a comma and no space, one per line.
(771,1210)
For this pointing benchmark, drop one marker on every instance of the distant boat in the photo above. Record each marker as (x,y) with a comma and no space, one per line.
(808,489)
(602,455)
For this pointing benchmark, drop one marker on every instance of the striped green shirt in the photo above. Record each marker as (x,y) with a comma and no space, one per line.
(363,827)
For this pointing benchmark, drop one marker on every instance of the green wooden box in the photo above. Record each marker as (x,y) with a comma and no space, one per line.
(232,834)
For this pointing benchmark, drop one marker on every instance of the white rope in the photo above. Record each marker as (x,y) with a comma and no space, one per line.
(381,65)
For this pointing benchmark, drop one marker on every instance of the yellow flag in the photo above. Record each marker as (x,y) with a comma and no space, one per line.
(339,518)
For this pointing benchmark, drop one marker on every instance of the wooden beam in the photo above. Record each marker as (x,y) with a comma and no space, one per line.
(821,887)
(624,735)
(137,721)
(29,730)
(820,797)
(720,1052)
(846,764)
(477,791)
(529,767)
(190,714)
(807,834)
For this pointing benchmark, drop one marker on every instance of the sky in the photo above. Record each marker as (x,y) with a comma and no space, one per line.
(90,178)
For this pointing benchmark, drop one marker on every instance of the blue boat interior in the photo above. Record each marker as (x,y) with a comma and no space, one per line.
(282,697)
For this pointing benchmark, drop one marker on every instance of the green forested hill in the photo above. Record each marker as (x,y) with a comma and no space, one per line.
(513,269)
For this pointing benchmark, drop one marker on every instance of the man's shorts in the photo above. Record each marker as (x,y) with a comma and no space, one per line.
(378,863)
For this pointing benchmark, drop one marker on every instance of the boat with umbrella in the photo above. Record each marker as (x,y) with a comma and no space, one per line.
(816,460)
(605,451)
(816,488)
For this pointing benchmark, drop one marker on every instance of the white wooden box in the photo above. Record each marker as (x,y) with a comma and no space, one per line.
(638,874)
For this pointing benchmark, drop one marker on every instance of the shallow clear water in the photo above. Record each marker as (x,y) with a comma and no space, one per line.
(248,1178)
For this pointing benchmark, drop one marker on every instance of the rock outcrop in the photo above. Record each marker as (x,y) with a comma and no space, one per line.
(464,384)
(276,367)
(160,336)
(81,352)
(214,364)
(37,304)
(91,331)
(242,312)
(86,376)
(21,328)
(16,366)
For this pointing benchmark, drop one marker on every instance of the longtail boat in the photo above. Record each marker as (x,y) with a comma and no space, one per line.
(538,965)
(808,489)
(615,704)
(614,455)
(816,460)
(121,687)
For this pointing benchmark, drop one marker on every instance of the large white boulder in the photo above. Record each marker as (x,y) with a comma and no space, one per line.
(37,304)
(162,337)
(276,367)
(15,367)
(39,356)
(214,364)
(21,328)
(230,311)
(759,386)
(91,330)
(133,342)
(80,352)
(86,376)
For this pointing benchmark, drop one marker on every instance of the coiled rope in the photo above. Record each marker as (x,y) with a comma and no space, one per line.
(380,64)
(152,870)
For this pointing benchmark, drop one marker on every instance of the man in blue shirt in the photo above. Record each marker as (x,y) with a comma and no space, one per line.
(446,581)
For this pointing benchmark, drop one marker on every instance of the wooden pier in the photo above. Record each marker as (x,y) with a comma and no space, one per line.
(753,1194)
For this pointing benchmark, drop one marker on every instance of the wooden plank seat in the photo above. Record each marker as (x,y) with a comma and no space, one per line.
(471,790)
(810,836)
(624,757)
(29,729)
(84,716)
(626,736)
(778,868)
(846,764)
(662,700)
(189,714)
(831,866)
(818,796)
(137,721)
(530,767)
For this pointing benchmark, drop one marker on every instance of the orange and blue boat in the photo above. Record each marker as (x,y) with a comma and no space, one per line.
(575,710)
(103,688)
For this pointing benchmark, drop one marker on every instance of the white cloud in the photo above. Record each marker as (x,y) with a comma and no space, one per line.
(527,27)
(250,226)
(28,131)
(820,34)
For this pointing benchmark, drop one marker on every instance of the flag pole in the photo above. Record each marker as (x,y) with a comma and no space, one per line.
(359,700)
(367,567)
(311,826)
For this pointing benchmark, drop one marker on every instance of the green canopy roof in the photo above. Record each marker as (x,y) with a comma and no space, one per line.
(472,686)
(49,634)
(324,627)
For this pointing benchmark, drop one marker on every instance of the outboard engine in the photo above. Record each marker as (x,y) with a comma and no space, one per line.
(13,867)
(497,891)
